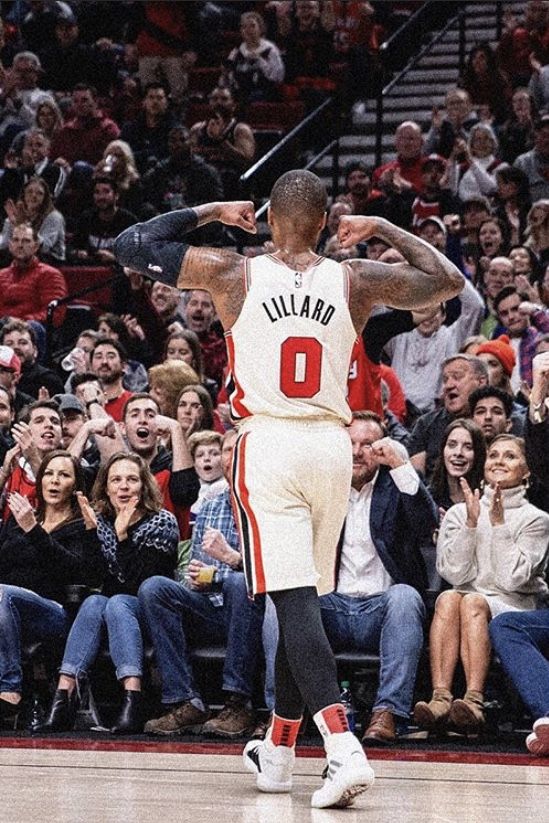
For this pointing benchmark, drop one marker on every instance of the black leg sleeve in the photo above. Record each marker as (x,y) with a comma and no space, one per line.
(308,652)
(154,248)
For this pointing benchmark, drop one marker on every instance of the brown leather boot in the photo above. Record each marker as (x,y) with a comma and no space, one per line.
(382,727)
(434,713)
(468,713)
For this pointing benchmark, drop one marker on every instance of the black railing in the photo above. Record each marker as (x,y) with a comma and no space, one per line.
(457,20)
(326,112)
(65,301)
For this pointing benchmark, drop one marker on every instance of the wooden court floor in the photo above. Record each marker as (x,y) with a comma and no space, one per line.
(158,786)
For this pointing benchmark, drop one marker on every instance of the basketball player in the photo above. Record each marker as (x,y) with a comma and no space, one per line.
(291,319)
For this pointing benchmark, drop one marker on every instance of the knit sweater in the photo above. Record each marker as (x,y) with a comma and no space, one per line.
(504,563)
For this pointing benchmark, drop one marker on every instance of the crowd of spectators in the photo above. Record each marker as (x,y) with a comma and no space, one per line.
(114,456)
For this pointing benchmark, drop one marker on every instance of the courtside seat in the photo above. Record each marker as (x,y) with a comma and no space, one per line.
(282,116)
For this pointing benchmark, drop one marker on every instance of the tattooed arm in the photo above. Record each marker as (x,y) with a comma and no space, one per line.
(156,250)
(426,278)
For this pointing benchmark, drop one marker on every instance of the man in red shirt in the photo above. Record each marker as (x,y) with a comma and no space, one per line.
(405,171)
(88,133)
(108,362)
(27,285)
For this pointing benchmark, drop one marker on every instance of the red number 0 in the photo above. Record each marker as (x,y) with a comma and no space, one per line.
(300,366)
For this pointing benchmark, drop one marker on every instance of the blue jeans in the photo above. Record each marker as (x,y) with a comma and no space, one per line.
(178,617)
(521,641)
(390,624)
(25,615)
(117,619)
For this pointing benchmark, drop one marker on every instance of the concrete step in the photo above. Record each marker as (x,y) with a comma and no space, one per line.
(428,74)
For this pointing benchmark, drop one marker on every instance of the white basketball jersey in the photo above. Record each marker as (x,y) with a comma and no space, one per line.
(290,348)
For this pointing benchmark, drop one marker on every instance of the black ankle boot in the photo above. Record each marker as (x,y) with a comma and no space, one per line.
(130,717)
(62,713)
(9,714)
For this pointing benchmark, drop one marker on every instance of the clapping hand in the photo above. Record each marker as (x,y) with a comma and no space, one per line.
(88,515)
(472,503)
(215,545)
(22,511)
(495,512)
(124,517)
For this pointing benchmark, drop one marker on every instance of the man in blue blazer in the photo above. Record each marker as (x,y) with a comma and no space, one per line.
(377,604)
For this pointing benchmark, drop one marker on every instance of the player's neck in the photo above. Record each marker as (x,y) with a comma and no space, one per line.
(296,257)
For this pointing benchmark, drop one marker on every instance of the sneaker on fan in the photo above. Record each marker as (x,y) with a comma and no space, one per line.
(348,773)
(272,765)
(538,741)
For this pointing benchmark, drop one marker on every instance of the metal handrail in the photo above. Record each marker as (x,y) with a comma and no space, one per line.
(406,26)
(311,164)
(459,17)
(263,161)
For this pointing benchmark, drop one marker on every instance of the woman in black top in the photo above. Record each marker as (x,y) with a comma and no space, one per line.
(40,553)
(138,539)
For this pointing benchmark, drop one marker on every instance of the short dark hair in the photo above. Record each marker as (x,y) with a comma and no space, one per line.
(357,165)
(299,194)
(141,395)
(503,294)
(106,341)
(85,377)
(40,404)
(154,84)
(491,391)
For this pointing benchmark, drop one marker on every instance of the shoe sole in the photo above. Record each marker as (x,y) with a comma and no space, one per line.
(262,783)
(538,742)
(424,718)
(463,717)
(356,785)
(183,730)
(220,733)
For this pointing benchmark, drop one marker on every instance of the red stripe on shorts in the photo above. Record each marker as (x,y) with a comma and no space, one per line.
(244,496)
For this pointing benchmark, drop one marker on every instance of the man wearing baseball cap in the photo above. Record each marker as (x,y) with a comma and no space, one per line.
(10,372)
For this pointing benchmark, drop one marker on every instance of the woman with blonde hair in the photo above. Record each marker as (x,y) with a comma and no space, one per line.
(118,164)
(35,207)
(492,549)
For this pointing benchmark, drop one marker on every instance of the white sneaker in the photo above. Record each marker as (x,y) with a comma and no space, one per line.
(538,741)
(273,765)
(348,775)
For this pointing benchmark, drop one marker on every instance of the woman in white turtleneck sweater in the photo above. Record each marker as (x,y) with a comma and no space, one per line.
(472,164)
(493,551)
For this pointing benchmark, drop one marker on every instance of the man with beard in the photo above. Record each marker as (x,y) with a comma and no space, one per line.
(199,315)
(360,195)
(183,179)
(461,374)
(522,321)
(108,361)
(21,338)
(148,133)
(223,141)
(142,424)
(97,228)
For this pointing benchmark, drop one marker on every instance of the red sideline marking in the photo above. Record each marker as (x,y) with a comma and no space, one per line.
(486,758)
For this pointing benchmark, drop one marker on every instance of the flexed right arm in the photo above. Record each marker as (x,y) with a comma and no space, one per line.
(156,248)
(425,279)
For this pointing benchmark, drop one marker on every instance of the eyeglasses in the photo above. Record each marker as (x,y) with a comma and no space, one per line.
(6,370)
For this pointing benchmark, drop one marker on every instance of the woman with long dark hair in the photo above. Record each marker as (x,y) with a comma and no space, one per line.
(41,552)
(462,454)
(138,539)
